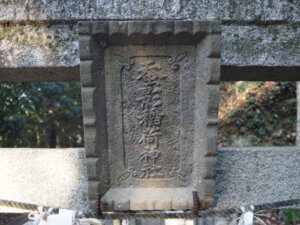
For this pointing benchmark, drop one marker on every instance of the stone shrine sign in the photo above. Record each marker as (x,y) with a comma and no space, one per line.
(150,100)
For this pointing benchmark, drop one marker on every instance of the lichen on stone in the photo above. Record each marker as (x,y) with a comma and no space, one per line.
(38,45)
(271,45)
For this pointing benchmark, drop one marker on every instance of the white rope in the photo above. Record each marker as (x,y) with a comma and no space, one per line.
(40,215)
(40,218)
(247,217)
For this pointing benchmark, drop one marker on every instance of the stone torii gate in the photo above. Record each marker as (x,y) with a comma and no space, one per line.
(259,41)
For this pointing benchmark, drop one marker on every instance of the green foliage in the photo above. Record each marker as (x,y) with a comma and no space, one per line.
(36,114)
(265,116)
(289,216)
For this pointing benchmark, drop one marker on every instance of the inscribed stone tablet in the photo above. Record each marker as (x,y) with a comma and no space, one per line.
(152,93)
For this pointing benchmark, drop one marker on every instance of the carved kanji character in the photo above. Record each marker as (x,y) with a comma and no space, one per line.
(150,138)
(151,171)
(154,118)
(149,156)
(145,101)
(150,118)
(146,90)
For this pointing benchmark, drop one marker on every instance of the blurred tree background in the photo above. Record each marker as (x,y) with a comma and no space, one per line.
(42,114)
(49,114)
(260,114)
(257,114)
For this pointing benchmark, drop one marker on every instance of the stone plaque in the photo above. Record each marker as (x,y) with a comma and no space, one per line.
(150,99)
(153,127)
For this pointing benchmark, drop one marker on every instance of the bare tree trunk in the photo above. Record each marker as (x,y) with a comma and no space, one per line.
(52,137)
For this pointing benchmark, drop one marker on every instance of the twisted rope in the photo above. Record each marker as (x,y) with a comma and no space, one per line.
(160,214)
(18,205)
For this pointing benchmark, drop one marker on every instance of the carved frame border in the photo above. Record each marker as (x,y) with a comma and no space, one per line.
(94,36)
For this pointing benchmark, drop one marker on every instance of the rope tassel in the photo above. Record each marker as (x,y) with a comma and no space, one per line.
(247,217)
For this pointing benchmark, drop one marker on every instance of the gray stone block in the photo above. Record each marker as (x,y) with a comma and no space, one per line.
(86,73)
(88,95)
(50,52)
(92,169)
(256,175)
(158,88)
(244,176)
(85,47)
(39,46)
(261,45)
(234,10)
(49,177)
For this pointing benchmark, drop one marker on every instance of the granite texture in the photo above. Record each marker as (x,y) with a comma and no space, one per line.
(69,10)
(260,41)
(271,45)
(248,52)
(259,37)
(255,175)
(50,177)
(248,175)
(39,45)
(251,175)
(159,107)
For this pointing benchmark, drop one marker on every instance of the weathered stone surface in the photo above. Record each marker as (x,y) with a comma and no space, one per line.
(268,36)
(260,52)
(248,175)
(158,108)
(39,45)
(254,45)
(258,10)
(253,175)
(51,177)
(248,52)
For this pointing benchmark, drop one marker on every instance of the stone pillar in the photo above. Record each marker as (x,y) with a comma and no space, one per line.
(150,101)
(94,106)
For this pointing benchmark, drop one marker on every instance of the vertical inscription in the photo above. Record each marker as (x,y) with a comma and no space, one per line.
(150,115)
(151,118)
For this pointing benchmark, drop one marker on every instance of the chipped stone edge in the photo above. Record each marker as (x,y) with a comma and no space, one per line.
(129,28)
(94,35)
(207,189)
(88,90)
